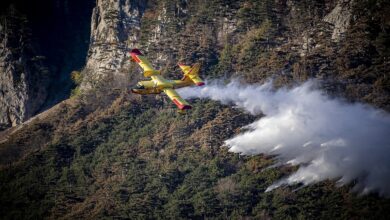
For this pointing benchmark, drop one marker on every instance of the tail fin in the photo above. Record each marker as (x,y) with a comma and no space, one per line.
(192,74)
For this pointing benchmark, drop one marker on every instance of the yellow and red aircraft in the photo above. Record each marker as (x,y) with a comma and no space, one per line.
(159,84)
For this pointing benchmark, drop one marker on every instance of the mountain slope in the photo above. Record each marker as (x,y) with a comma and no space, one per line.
(132,160)
(105,153)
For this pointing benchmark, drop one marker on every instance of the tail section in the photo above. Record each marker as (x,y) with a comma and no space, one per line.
(192,74)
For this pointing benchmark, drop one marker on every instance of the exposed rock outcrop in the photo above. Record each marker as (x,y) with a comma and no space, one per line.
(24,77)
(114,28)
(340,17)
(40,46)
(167,32)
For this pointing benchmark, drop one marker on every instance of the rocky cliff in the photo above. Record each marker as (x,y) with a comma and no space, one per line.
(24,78)
(114,29)
(40,46)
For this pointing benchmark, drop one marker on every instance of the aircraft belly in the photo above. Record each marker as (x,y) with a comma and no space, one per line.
(146,91)
(148,84)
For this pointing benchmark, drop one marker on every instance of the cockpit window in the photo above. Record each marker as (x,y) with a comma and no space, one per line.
(139,86)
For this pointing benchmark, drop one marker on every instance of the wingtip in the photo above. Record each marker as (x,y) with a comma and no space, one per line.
(181,106)
(186,107)
(135,51)
(200,84)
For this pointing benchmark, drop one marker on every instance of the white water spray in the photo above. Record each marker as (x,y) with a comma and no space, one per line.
(328,138)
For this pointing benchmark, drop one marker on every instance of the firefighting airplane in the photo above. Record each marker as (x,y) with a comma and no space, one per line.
(159,84)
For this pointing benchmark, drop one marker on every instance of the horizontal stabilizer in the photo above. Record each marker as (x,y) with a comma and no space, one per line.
(192,73)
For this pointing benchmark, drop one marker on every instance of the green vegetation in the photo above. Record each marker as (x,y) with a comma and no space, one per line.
(251,45)
(77,78)
(131,160)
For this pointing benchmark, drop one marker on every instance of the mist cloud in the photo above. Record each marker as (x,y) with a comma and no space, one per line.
(328,138)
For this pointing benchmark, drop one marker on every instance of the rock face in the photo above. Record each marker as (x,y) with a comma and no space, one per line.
(40,46)
(164,30)
(340,17)
(114,29)
(24,77)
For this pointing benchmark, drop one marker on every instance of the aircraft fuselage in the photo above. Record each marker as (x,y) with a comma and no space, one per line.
(157,85)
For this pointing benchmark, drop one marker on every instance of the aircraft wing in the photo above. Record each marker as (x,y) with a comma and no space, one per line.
(175,97)
(139,58)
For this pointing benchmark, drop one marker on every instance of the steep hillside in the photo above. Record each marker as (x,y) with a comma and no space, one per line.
(107,153)
(135,158)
